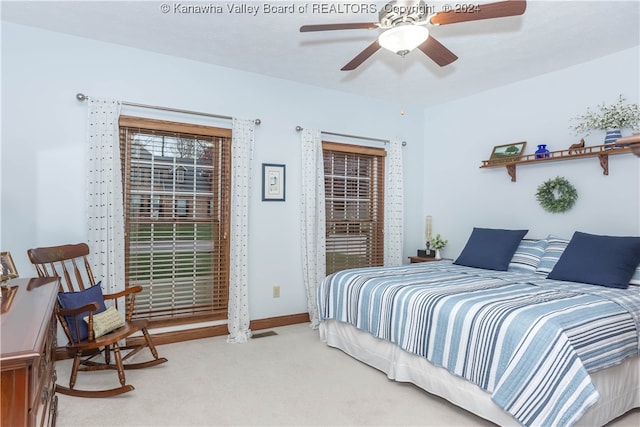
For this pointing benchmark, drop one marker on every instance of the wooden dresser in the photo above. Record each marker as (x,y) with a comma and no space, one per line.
(28,346)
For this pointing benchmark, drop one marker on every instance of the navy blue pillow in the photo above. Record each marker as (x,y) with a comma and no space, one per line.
(598,260)
(490,248)
(71,300)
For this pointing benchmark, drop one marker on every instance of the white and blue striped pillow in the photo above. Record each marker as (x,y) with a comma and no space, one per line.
(527,257)
(553,251)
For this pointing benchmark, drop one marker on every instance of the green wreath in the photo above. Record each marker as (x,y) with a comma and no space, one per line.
(546,195)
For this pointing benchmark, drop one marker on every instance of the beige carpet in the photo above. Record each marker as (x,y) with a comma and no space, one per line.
(291,378)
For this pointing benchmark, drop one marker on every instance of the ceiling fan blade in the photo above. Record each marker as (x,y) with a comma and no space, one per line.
(499,9)
(362,56)
(437,52)
(345,26)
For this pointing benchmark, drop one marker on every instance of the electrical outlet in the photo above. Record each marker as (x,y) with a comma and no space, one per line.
(276,291)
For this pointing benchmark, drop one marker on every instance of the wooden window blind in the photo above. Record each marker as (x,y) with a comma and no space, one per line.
(176,180)
(354,194)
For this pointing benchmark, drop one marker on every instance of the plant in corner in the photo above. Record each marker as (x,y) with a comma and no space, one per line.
(437,243)
(608,117)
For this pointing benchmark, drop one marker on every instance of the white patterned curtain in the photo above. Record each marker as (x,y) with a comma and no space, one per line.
(242,153)
(105,214)
(394,206)
(313,220)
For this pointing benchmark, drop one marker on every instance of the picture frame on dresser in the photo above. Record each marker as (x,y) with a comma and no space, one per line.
(7,267)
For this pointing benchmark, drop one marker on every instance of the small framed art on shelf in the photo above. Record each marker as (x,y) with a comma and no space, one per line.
(507,152)
(273,182)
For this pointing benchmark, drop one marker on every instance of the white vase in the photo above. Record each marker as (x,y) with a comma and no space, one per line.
(438,254)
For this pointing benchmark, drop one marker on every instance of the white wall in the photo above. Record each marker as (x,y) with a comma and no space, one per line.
(43,129)
(460,134)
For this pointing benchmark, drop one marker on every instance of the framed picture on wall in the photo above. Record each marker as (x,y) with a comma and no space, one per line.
(507,152)
(273,182)
(7,267)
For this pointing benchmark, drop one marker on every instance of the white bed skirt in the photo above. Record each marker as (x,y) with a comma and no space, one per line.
(618,386)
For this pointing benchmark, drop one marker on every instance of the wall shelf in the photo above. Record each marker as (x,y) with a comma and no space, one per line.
(632,142)
(601,151)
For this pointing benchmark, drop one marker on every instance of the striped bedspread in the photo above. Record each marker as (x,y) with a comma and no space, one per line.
(528,341)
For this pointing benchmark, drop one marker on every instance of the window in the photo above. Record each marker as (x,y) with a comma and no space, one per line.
(180,174)
(181,207)
(176,181)
(354,192)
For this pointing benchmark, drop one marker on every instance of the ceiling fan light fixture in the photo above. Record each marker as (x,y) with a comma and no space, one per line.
(404,38)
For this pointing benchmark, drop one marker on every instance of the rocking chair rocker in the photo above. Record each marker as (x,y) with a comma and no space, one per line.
(68,262)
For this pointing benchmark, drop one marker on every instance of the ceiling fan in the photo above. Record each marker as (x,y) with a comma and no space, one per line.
(404,22)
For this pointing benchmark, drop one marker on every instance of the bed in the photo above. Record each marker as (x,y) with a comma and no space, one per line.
(517,331)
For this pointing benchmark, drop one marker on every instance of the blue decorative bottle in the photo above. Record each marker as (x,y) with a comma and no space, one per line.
(612,136)
(542,151)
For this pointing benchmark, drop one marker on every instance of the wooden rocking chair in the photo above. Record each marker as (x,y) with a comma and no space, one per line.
(70,264)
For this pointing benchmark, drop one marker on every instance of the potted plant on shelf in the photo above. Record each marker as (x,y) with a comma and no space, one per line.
(437,243)
(610,118)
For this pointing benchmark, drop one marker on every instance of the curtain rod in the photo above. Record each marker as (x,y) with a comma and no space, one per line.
(83,97)
(364,138)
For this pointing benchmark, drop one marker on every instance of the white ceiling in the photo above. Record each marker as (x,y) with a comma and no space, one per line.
(550,35)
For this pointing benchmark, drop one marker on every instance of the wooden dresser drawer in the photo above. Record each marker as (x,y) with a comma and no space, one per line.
(43,385)
(29,331)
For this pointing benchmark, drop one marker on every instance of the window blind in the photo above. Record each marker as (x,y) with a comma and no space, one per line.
(176,181)
(354,197)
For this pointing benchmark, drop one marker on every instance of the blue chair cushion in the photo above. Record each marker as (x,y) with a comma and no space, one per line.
(607,261)
(70,300)
(490,248)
